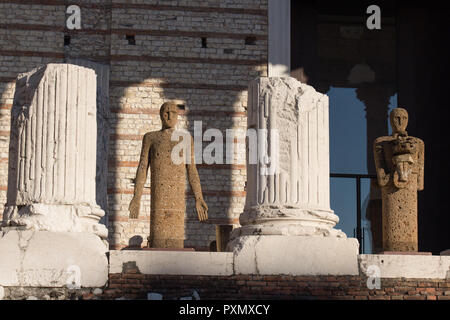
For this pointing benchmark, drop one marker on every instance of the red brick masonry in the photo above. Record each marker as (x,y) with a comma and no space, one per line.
(134,285)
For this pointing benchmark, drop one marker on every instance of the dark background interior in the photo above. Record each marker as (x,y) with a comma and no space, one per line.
(419,79)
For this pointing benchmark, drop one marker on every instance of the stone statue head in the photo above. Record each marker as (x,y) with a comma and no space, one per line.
(399,120)
(401,148)
(169,115)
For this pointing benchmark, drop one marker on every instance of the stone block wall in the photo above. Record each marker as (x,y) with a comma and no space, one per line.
(203,53)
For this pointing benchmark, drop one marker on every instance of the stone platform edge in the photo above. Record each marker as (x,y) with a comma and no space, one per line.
(223,264)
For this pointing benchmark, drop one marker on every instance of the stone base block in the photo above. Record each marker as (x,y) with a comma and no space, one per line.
(52,259)
(171,262)
(56,218)
(406,266)
(295,255)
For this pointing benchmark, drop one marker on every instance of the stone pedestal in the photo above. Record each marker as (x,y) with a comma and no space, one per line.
(295,255)
(288,203)
(51,218)
(52,259)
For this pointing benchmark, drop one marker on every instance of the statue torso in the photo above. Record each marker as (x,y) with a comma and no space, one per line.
(168,180)
(400,158)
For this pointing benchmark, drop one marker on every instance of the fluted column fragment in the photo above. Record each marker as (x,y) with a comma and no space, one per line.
(288,188)
(52,162)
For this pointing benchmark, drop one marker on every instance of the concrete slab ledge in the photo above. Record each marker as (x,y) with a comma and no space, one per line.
(227,263)
(405,266)
(272,255)
(52,259)
(295,255)
(172,262)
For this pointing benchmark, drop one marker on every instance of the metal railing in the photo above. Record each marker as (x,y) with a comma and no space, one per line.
(358,177)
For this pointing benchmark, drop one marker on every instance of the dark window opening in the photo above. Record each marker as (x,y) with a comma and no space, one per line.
(204,45)
(66,40)
(250,41)
(131,39)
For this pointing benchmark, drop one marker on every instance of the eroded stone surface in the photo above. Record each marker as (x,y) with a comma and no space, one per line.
(399,161)
(168,183)
(171,262)
(52,163)
(406,266)
(289,194)
(295,255)
(52,259)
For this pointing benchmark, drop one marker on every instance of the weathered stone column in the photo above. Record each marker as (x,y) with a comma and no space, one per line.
(50,235)
(288,201)
(293,199)
(52,163)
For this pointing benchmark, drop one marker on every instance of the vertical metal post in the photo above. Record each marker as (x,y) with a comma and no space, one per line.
(358,213)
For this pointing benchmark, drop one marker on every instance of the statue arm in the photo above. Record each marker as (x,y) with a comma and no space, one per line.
(141,177)
(194,182)
(380,165)
(421,165)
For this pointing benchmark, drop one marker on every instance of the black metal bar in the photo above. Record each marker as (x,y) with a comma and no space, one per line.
(363,239)
(358,212)
(358,177)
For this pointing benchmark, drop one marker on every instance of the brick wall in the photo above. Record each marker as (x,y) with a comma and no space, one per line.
(241,287)
(201,52)
(134,285)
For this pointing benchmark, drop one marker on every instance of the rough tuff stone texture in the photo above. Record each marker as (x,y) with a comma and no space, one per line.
(52,259)
(52,163)
(168,183)
(399,161)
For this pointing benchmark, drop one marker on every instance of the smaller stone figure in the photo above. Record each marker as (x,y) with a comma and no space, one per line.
(168,184)
(399,161)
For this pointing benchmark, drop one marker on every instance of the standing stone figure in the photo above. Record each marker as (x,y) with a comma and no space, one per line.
(168,184)
(399,161)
